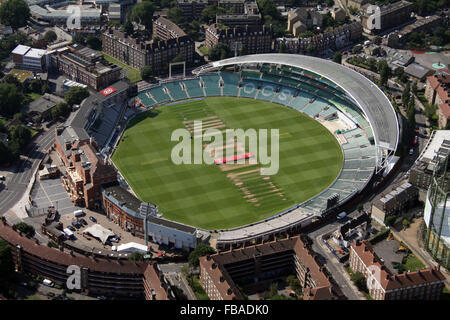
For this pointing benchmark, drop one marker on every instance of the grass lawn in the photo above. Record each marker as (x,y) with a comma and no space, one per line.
(206,196)
(34,95)
(413,263)
(21,75)
(203,50)
(133,74)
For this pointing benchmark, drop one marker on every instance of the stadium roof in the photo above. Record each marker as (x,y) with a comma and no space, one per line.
(372,101)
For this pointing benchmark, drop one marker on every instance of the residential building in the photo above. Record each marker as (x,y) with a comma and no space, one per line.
(98,275)
(85,65)
(338,14)
(418,72)
(302,19)
(336,38)
(249,267)
(192,9)
(438,146)
(247,14)
(437,92)
(388,16)
(421,24)
(139,51)
(425,284)
(124,209)
(29,58)
(164,29)
(394,202)
(41,107)
(255,39)
(356,4)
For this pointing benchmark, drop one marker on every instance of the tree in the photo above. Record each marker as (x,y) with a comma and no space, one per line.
(337,57)
(295,285)
(14,13)
(405,223)
(20,134)
(94,42)
(6,260)
(210,12)
(273,291)
(390,220)
(60,110)
(411,112)
(384,71)
(243,51)
(50,36)
(219,51)
(178,58)
(143,13)
(6,154)
(357,49)
(79,38)
(75,95)
(136,256)
(200,251)
(146,72)
(359,280)
(128,27)
(283,48)
(176,15)
(10,99)
(406,95)
(377,40)
(25,228)
(10,78)
(35,85)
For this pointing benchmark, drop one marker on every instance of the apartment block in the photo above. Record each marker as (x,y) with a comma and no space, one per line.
(425,284)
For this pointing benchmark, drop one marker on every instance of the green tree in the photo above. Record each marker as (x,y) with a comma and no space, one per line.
(136,256)
(143,13)
(35,85)
(6,260)
(210,12)
(10,78)
(79,38)
(128,27)
(20,134)
(6,154)
(384,71)
(14,13)
(283,48)
(219,51)
(146,72)
(357,49)
(176,15)
(406,94)
(411,112)
(25,228)
(200,251)
(94,42)
(75,95)
(178,58)
(359,280)
(337,57)
(61,110)
(50,36)
(243,51)
(11,100)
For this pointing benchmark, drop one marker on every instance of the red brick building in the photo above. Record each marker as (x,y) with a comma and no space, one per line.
(221,273)
(85,170)
(426,284)
(437,92)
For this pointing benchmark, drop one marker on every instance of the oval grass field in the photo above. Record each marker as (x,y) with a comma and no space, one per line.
(221,197)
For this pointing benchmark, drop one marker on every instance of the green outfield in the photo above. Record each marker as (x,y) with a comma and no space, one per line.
(226,196)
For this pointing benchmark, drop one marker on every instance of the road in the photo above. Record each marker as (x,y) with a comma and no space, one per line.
(16,183)
(173,272)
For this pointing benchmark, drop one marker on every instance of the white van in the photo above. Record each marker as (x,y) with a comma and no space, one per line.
(341,215)
(78,213)
(48,283)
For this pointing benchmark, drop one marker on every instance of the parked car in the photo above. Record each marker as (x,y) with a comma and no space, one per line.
(48,283)
(2,178)
(411,151)
(341,215)
(76,224)
(92,219)
(83,222)
(71,228)
(101,297)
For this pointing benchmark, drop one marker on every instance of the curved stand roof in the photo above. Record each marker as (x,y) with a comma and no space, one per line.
(367,95)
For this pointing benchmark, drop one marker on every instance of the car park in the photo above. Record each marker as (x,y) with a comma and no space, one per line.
(92,219)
